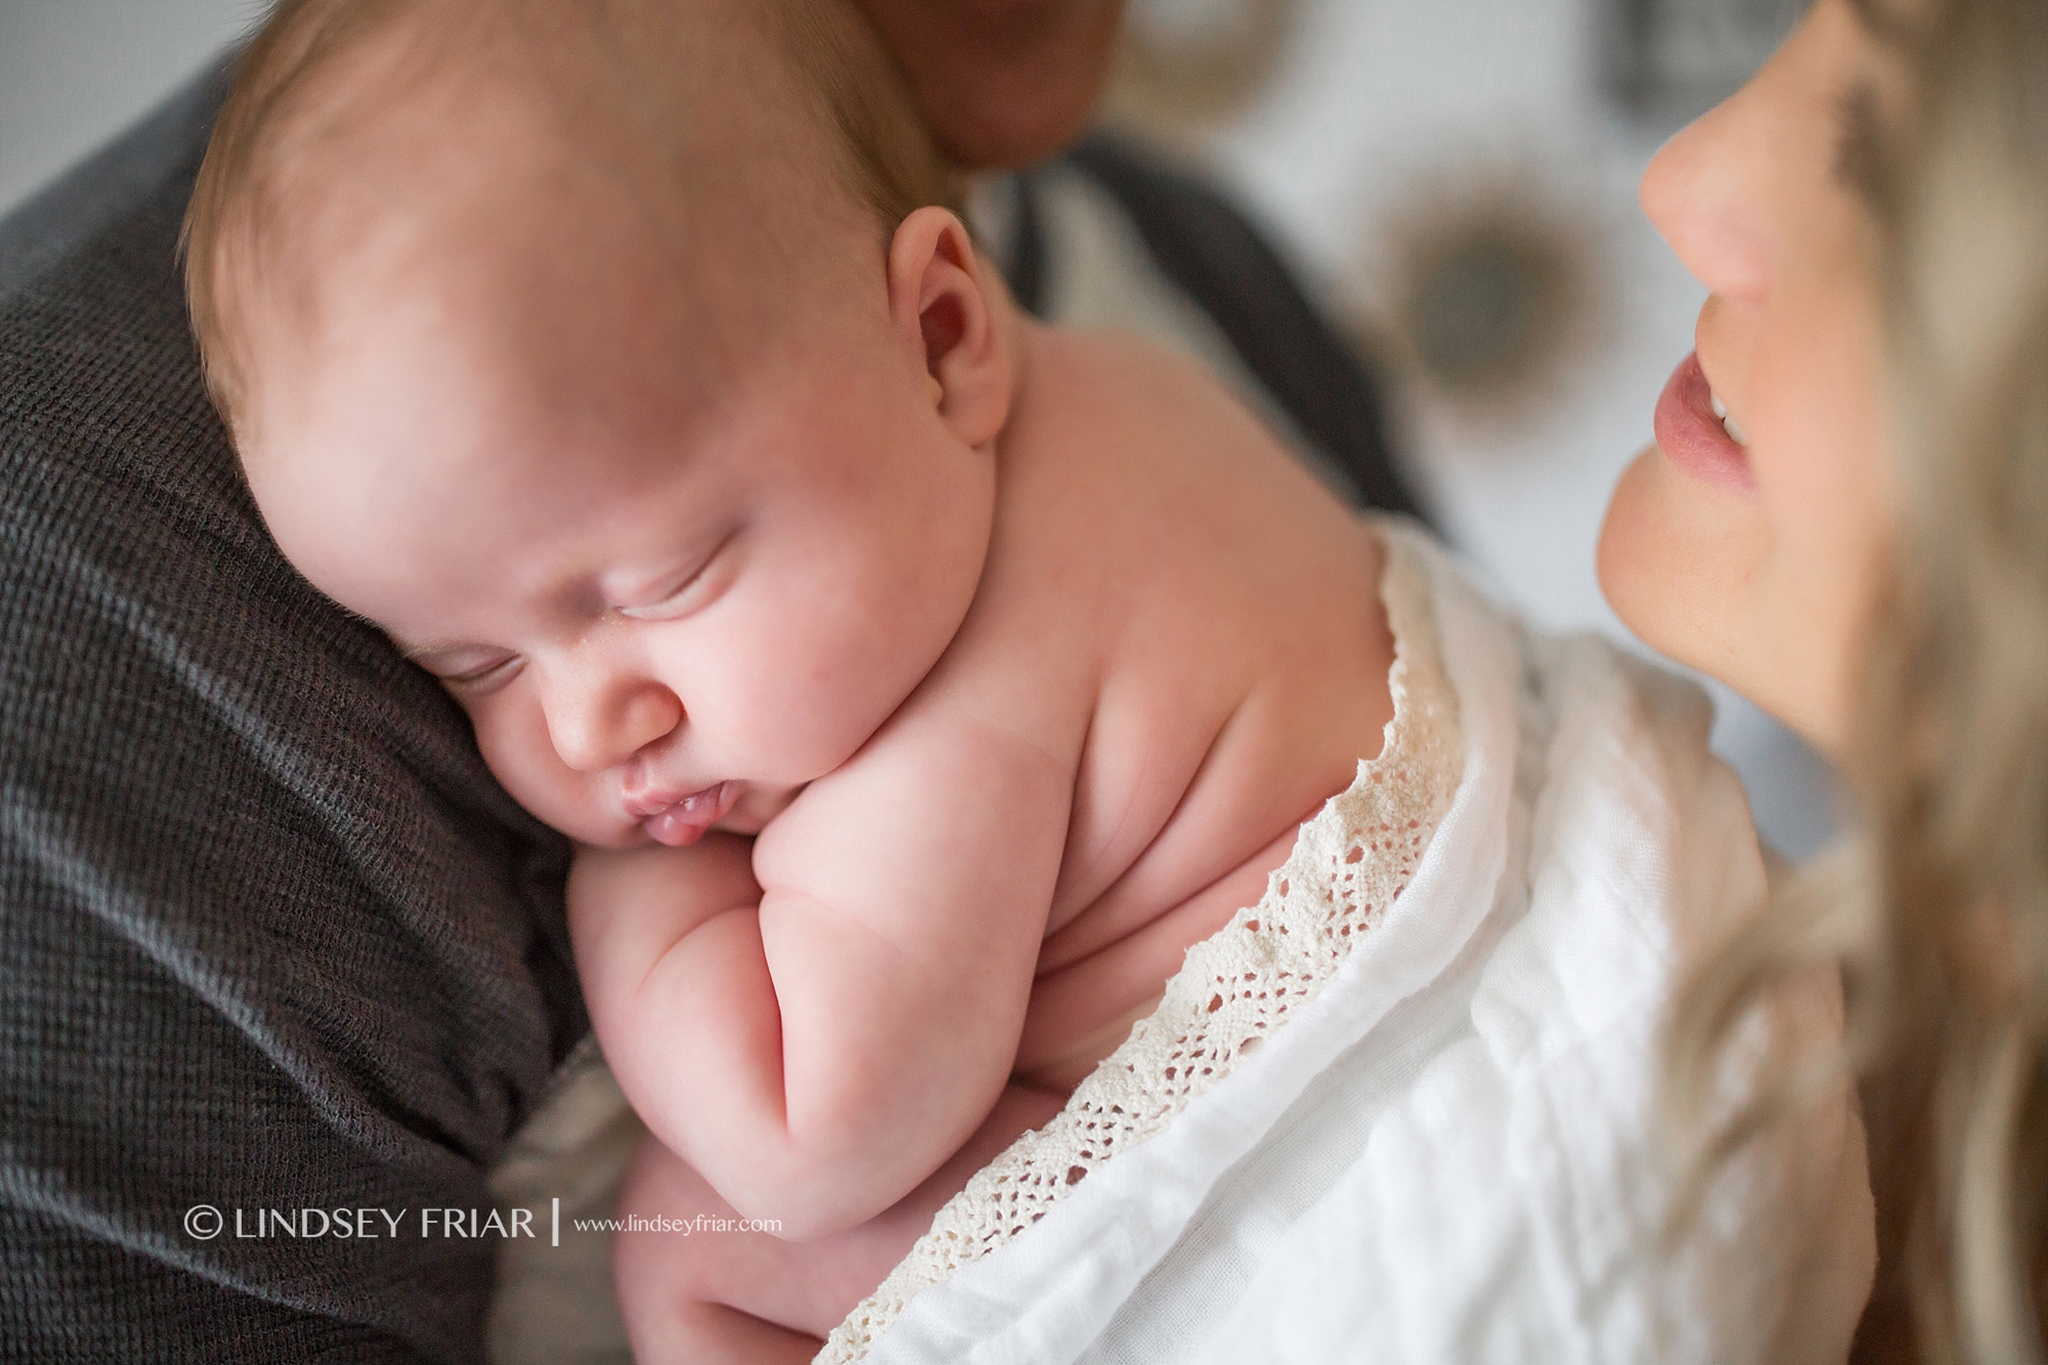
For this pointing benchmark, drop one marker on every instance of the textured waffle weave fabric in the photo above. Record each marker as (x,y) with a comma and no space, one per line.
(270,936)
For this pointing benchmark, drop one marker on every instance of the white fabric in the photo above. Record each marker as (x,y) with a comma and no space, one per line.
(1445,1155)
(1239,987)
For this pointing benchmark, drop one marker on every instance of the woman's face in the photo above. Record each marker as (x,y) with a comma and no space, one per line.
(1753,550)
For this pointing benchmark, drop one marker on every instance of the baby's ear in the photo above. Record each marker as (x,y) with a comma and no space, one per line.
(942,308)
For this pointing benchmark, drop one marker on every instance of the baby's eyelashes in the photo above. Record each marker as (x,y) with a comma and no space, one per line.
(482,679)
(676,603)
(683,594)
(469,670)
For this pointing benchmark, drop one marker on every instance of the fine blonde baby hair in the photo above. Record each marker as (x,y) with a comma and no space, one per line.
(319,67)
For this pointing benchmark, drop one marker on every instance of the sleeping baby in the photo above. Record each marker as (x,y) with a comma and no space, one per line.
(917,682)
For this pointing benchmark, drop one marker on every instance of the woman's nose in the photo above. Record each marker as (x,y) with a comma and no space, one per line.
(598,722)
(1705,195)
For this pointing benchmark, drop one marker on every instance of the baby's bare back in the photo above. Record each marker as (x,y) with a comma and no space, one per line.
(1186,617)
(1174,653)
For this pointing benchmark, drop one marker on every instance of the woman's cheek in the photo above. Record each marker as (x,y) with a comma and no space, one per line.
(1825,476)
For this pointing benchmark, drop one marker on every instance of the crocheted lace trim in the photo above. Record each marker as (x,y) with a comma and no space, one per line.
(1351,861)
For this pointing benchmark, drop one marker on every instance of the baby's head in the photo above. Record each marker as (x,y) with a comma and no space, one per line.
(613,358)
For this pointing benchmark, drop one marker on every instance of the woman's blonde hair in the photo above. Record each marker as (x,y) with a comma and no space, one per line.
(1937,907)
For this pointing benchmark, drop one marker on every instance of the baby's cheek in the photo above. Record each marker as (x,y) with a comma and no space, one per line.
(758,694)
(849,718)
(795,735)
(516,746)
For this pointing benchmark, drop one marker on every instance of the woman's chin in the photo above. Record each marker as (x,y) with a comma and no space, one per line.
(1626,560)
(1685,567)
(1676,561)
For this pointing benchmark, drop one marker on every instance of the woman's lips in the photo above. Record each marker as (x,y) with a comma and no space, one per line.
(1693,438)
(689,818)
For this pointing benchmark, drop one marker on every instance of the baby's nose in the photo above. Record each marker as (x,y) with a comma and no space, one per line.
(605,725)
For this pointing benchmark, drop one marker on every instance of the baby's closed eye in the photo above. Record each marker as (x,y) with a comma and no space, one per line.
(683,592)
(468,670)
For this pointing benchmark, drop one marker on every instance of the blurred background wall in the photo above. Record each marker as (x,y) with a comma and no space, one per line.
(73,72)
(1455,178)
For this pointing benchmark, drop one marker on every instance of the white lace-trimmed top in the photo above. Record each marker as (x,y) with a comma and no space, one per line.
(1352,859)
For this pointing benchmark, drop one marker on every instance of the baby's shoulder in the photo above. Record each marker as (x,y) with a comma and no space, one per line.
(1158,529)
(1121,394)
(1142,471)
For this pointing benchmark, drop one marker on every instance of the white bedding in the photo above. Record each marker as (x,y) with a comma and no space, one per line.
(1445,1155)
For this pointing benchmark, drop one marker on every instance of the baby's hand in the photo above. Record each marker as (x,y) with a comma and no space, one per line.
(714,874)
(817,1041)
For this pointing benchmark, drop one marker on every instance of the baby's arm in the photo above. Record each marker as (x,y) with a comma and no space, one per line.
(817,1042)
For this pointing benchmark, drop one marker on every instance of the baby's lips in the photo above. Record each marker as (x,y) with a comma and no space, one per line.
(673,828)
(691,818)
